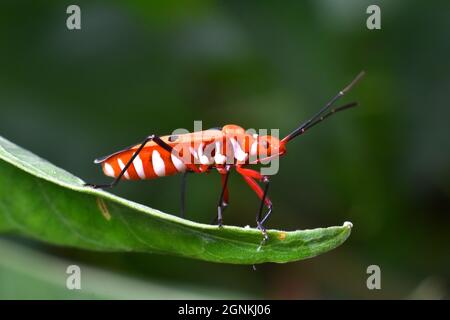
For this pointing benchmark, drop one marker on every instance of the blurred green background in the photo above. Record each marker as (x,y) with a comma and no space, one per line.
(141,67)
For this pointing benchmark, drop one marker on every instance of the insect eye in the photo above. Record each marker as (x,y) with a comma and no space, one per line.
(173,138)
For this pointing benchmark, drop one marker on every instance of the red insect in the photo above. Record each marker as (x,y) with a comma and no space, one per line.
(220,149)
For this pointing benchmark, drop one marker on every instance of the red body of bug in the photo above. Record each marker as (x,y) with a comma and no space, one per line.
(220,149)
(207,150)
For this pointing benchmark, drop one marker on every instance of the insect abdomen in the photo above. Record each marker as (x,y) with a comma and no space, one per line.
(148,164)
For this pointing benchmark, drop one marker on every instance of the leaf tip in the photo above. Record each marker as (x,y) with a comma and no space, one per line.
(348,224)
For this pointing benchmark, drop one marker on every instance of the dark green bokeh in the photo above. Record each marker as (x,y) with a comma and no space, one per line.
(137,68)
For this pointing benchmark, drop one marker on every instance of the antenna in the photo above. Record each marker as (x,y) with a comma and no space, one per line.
(318,117)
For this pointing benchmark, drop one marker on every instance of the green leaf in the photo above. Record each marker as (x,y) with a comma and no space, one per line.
(42,201)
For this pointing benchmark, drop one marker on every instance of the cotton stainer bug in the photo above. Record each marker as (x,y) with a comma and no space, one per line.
(221,149)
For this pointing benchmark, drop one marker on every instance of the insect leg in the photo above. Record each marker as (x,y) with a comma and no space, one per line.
(250,173)
(224,181)
(262,194)
(190,167)
(183,193)
(262,218)
(223,199)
